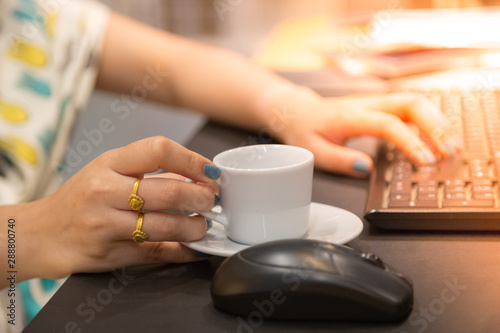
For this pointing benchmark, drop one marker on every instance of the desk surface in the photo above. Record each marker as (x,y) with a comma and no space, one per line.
(456,278)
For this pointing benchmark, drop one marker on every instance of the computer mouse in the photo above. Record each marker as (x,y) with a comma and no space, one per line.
(304,279)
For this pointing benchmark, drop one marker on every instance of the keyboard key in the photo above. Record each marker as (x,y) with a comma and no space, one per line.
(455,182)
(428,183)
(481,188)
(400,197)
(426,203)
(425,173)
(455,189)
(426,189)
(445,169)
(455,196)
(481,182)
(401,186)
(401,176)
(483,195)
(469,203)
(404,168)
(480,175)
(399,203)
(410,204)
(427,196)
(476,152)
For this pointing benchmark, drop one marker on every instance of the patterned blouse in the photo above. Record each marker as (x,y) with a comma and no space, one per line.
(48,65)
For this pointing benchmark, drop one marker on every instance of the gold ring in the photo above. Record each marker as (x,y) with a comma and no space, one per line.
(135,201)
(138,235)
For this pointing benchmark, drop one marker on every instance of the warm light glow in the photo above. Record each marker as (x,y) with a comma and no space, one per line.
(490,60)
(353,67)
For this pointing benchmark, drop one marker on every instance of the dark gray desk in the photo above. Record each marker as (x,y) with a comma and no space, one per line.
(456,279)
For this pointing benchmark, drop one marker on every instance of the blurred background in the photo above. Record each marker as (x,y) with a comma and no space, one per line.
(244,26)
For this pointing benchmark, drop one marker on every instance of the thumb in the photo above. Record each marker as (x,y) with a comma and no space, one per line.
(339,159)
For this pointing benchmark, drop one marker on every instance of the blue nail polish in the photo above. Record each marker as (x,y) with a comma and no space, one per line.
(216,200)
(209,224)
(203,255)
(361,166)
(212,171)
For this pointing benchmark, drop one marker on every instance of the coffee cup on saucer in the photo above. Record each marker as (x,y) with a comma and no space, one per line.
(265,192)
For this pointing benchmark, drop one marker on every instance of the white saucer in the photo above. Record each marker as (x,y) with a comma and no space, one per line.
(327,223)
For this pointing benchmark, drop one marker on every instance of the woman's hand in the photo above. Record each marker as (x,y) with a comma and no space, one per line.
(323,125)
(87,225)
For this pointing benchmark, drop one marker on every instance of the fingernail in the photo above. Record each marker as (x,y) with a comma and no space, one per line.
(203,255)
(212,171)
(450,146)
(209,224)
(425,156)
(361,166)
(216,200)
(458,142)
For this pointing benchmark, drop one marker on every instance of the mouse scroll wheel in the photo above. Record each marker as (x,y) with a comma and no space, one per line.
(372,258)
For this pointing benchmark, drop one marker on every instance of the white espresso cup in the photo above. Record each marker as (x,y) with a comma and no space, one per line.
(265,192)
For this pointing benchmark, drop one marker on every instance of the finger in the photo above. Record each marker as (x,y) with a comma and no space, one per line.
(422,112)
(391,128)
(161,193)
(166,175)
(155,153)
(170,175)
(161,226)
(340,159)
(164,252)
(129,253)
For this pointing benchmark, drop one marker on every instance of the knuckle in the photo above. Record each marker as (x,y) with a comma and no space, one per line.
(204,200)
(172,194)
(417,98)
(198,232)
(389,120)
(179,227)
(107,157)
(386,123)
(188,197)
(158,145)
(170,229)
(193,159)
(97,187)
(414,99)
(389,126)
(92,224)
(177,253)
(95,226)
(98,253)
(156,251)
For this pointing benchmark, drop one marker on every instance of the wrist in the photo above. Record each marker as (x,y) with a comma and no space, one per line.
(36,255)
(279,104)
(27,218)
(19,251)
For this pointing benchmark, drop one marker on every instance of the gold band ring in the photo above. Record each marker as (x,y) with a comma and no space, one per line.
(135,201)
(138,235)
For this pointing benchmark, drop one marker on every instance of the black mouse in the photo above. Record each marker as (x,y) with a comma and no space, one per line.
(303,279)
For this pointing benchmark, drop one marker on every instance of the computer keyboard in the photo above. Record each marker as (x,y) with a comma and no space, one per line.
(458,193)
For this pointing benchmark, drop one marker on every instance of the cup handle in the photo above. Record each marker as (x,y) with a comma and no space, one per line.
(218,217)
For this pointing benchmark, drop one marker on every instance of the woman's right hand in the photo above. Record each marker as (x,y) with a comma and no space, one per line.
(87,224)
